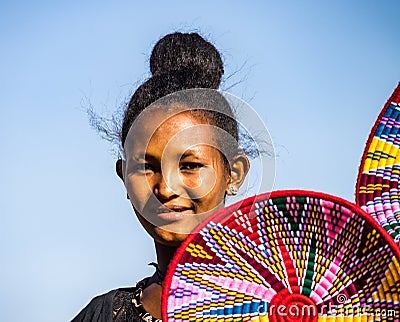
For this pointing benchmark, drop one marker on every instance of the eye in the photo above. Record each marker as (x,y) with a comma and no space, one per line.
(143,168)
(191,166)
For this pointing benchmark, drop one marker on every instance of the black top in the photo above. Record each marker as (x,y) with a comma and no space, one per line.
(120,305)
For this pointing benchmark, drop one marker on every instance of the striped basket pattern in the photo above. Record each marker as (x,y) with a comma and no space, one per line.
(285,256)
(377,189)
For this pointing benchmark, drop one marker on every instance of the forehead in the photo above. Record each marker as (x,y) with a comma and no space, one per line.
(168,126)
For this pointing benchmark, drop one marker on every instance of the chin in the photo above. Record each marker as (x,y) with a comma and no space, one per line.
(168,235)
(168,238)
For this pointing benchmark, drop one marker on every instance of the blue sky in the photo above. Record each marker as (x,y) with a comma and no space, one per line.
(317,72)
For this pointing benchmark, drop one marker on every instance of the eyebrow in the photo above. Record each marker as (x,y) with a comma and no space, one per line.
(141,156)
(191,153)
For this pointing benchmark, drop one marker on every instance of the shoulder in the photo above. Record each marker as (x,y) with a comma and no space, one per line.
(99,309)
(104,307)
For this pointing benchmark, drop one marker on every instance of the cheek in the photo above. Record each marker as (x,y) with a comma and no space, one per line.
(138,190)
(201,182)
(209,183)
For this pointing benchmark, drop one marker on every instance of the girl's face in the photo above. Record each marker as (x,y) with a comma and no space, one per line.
(174,174)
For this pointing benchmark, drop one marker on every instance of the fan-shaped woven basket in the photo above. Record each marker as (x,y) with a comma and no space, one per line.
(285,256)
(378,184)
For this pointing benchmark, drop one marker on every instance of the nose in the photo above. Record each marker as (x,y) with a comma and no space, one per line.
(167,186)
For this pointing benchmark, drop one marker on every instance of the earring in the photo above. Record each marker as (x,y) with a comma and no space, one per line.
(127,196)
(233,190)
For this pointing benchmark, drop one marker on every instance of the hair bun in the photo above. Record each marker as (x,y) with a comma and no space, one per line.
(187,53)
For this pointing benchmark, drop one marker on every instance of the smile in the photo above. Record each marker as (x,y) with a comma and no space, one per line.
(173,212)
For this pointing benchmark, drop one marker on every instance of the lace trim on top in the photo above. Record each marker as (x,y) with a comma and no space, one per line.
(127,306)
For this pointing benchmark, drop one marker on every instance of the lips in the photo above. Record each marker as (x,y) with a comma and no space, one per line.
(173,212)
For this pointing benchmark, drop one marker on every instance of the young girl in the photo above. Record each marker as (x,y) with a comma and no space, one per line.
(181,159)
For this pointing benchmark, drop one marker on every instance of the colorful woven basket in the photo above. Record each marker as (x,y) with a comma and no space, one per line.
(377,190)
(285,256)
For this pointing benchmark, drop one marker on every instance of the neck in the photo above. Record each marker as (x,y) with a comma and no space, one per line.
(164,256)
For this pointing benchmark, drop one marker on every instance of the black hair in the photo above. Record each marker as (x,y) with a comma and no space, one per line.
(180,62)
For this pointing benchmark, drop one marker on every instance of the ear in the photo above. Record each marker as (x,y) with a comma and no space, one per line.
(240,166)
(119,166)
